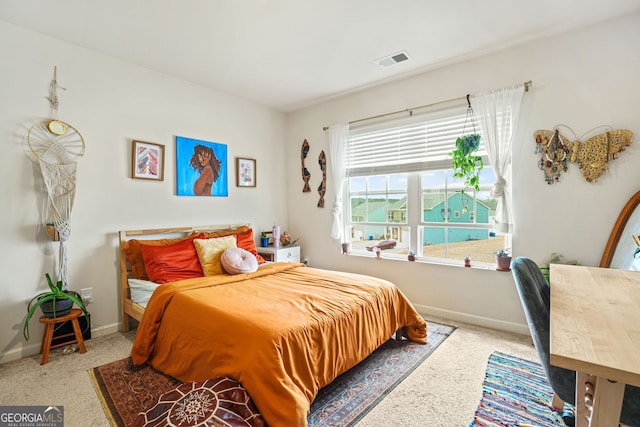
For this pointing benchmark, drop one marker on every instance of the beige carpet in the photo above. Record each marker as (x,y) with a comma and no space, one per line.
(443,391)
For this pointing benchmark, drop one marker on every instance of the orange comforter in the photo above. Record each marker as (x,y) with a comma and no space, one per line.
(283,332)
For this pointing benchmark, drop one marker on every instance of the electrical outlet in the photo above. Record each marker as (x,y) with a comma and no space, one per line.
(306,261)
(87,295)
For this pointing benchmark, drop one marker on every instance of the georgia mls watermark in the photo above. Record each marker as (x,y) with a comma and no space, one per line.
(31,416)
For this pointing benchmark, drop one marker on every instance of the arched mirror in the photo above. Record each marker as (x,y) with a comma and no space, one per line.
(621,250)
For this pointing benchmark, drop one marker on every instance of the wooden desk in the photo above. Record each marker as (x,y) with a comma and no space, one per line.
(595,330)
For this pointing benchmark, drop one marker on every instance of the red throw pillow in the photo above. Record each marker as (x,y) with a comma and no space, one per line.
(172,262)
(134,255)
(245,241)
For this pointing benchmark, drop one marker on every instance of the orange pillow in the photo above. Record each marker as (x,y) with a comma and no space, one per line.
(134,255)
(223,233)
(173,262)
(245,241)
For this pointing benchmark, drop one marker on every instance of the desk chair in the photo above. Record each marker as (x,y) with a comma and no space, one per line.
(535,297)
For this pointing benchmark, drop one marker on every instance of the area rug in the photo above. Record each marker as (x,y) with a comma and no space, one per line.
(125,391)
(515,392)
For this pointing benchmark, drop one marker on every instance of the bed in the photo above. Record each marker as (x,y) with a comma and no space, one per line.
(283,331)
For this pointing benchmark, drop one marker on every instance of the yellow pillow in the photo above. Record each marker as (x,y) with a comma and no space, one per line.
(210,251)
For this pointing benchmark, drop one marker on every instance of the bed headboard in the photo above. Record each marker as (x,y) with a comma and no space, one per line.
(128,308)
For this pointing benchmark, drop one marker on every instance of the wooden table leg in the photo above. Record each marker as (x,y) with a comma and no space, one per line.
(598,401)
(583,412)
(607,403)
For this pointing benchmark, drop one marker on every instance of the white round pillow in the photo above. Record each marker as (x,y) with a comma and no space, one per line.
(238,261)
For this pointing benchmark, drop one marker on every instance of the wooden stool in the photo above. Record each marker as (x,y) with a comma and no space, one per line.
(50,323)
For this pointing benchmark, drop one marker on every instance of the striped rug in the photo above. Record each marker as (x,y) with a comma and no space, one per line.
(515,393)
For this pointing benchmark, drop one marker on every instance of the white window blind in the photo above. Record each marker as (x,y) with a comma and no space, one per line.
(417,143)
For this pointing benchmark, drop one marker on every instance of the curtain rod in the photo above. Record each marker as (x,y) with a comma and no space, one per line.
(527,85)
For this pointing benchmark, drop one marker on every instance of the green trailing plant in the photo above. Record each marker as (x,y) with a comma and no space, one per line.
(466,164)
(555,259)
(56,293)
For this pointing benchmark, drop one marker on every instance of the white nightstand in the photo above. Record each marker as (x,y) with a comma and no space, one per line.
(284,254)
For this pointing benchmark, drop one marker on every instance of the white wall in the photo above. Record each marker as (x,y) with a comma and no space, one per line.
(582,79)
(111,103)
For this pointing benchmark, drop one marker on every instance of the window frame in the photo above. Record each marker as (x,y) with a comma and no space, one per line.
(415,214)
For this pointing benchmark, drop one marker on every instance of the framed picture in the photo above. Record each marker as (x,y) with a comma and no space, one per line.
(147,161)
(201,168)
(245,172)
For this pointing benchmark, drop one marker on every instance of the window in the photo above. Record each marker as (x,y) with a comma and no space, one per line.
(403,197)
(378,206)
(466,232)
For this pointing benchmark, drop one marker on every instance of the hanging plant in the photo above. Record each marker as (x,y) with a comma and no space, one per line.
(466,164)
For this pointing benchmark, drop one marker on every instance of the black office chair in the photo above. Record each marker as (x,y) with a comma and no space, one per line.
(534,293)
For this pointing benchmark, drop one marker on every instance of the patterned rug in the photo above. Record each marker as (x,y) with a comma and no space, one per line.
(126,391)
(515,392)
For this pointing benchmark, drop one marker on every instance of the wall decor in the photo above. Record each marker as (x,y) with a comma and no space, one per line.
(245,172)
(306,175)
(592,155)
(322,189)
(201,168)
(57,147)
(147,160)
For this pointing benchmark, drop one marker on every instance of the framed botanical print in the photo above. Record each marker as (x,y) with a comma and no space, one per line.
(147,161)
(245,172)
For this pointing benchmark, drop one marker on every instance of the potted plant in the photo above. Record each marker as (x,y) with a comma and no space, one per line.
(55,302)
(264,239)
(466,164)
(503,259)
(555,259)
(52,233)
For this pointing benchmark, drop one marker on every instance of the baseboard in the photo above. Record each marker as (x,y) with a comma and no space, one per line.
(32,346)
(486,322)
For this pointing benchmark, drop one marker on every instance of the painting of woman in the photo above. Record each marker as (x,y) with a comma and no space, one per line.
(201,168)
(204,161)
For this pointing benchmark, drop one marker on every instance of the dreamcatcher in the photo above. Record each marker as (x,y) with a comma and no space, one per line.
(57,146)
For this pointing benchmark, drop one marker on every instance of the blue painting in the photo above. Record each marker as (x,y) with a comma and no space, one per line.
(201,168)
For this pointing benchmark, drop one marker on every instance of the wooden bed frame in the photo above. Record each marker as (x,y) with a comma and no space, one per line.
(130,309)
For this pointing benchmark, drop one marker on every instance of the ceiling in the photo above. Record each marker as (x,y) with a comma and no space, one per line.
(288,54)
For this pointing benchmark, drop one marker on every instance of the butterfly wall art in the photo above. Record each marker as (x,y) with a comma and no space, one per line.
(592,154)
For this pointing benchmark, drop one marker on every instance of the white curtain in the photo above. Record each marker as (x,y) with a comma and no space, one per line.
(497,113)
(338,137)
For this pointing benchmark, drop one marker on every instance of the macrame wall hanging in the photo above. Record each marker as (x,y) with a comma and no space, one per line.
(592,155)
(57,147)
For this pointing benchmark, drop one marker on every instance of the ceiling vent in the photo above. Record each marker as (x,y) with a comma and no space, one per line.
(394,59)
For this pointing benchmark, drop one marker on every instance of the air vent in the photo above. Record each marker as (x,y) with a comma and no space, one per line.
(394,59)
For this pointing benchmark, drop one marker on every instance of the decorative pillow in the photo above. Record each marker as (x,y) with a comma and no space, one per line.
(238,261)
(134,255)
(173,262)
(245,241)
(210,251)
